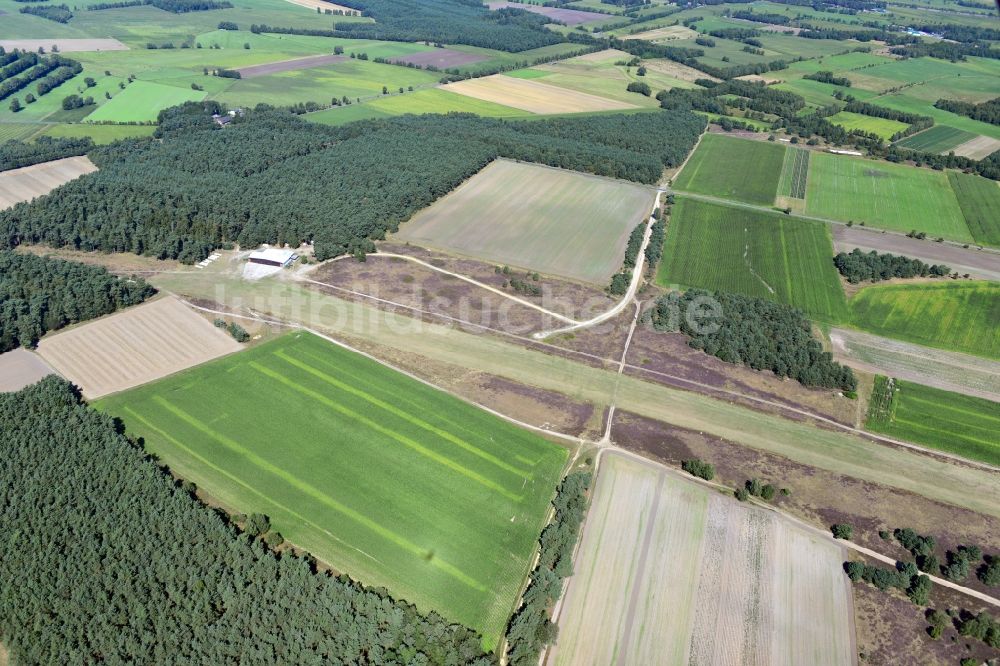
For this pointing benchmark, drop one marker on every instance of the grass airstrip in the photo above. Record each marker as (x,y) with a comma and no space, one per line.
(378,475)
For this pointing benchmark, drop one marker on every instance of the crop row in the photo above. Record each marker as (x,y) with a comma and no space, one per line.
(800,170)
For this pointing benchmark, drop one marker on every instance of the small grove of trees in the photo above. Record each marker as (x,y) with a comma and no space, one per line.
(757,488)
(621,280)
(238,332)
(987,112)
(698,468)
(828,77)
(904,577)
(842,531)
(640,87)
(857,266)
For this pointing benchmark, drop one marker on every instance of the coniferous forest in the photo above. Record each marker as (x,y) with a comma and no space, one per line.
(108,559)
(270,177)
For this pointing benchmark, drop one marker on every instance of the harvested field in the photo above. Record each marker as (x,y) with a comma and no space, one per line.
(440,58)
(65,45)
(946,370)
(20,368)
(569,17)
(533,96)
(134,347)
(535,217)
(33,181)
(289,65)
(670,572)
(676,70)
(664,34)
(978,148)
(323,5)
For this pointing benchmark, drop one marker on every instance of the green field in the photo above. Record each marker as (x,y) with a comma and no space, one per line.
(952,422)
(883,127)
(794,173)
(374,473)
(432,100)
(938,139)
(979,199)
(957,316)
(884,195)
(758,254)
(733,168)
(142,101)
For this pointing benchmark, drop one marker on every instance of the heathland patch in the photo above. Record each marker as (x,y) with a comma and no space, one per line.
(734,168)
(544,219)
(757,254)
(395,483)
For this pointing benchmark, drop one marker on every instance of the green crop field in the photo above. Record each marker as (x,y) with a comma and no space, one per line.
(979,199)
(432,100)
(880,194)
(957,316)
(142,101)
(938,139)
(395,483)
(794,173)
(883,127)
(952,422)
(759,254)
(734,168)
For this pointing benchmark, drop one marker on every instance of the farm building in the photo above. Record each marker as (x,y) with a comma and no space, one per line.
(273,257)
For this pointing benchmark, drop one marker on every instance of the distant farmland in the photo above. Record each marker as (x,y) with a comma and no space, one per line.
(533,96)
(957,316)
(884,195)
(959,424)
(758,254)
(142,101)
(670,572)
(376,474)
(535,217)
(937,139)
(883,127)
(734,168)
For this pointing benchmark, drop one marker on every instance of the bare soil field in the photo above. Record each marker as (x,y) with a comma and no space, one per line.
(570,17)
(664,34)
(323,5)
(533,96)
(950,371)
(17,185)
(978,148)
(536,218)
(134,347)
(20,368)
(289,65)
(670,572)
(440,58)
(981,264)
(65,45)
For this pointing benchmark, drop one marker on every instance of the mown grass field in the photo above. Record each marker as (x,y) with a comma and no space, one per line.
(734,168)
(957,316)
(884,195)
(883,127)
(952,422)
(757,254)
(143,101)
(979,199)
(376,474)
(937,139)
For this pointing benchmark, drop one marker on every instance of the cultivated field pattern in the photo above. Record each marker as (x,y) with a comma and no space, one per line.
(669,572)
(33,181)
(734,168)
(533,96)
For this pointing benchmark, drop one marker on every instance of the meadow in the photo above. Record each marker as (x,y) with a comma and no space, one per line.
(957,316)
(951,422)
(758,254)
(392,482)
(937,139)
(884,195)
(431,100)
(142,101)
(733,168)
(882,127)
(979,199)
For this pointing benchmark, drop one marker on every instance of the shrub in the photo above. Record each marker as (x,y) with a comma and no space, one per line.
(698,468)
(842,531)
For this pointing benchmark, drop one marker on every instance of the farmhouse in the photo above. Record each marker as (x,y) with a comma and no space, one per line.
(273,257)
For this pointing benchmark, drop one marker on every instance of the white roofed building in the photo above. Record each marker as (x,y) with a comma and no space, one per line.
(273,257)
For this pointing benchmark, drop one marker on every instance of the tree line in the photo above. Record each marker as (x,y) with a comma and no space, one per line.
(270,177)
(987,112)
(164,578)
(57,13)
(857,266)
(40,294)
(16,154)
(19,69)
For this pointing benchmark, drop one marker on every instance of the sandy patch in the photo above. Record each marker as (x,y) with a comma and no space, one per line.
(757,78)
(289,65)
(135,346)
(978,148)
(20,368)
(533,96)
(65,45)
(24,184)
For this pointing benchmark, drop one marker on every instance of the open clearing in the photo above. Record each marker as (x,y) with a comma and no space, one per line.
(533,96)
(670,572)
(951,422)
(734,168)
(289,65)
(380,476)
(979,199)
(536,217)
(937,139)
(134,346)
(65,45)
(26,183)
(570,17)
(957,316)
(758,254)
(142,101)
(885,195)
(20,368)
(978,148)
(946,370)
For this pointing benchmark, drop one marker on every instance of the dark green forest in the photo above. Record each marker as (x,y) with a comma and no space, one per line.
(857,266)
(108,559)
(270,177)
(987,112)
(755,332)
(40,294)
(17,154)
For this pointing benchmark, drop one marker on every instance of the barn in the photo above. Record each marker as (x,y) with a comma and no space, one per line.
(273,257)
